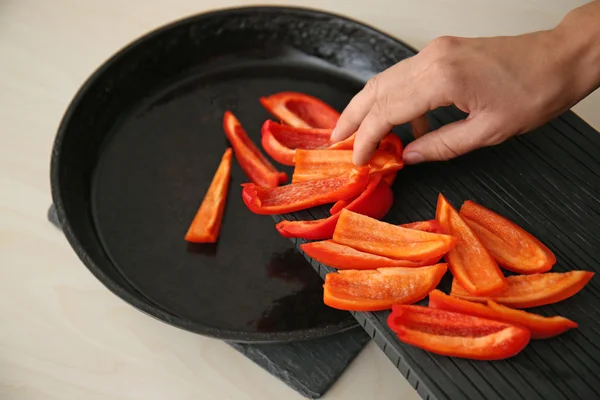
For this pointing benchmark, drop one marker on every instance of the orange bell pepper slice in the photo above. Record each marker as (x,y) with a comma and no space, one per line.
(431,226)
(299,196)
(206,225)
(511,246)
(254,164)
(540,327)
(377,237)
(469,261)
(526,291)
(320,164)
(457,335)
(374,290)
(301,110)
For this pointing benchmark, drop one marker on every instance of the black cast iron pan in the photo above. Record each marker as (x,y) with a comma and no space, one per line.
(138,147)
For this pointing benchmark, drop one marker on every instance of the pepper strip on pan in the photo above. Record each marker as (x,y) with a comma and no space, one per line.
(254,164)
(457,335)
(206,225)
(301,110)
(299,196)
(525,291)
(374,290)
(469,261)
(511,246)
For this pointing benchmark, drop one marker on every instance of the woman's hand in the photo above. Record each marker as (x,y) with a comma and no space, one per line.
(508,85)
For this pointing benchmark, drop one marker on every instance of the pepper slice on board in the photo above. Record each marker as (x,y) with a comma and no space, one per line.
(339,256)
(299,196)
(254,164)
(525,291)
(456,335)
(374,290)
(301,110)
(320,164)
(281,141)
(512,247)
(431,226)
(377,237)
(206,225)
(540,327)
(375,201)
(469,261)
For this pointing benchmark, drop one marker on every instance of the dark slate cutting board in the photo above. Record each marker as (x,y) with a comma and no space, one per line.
(309,367)
(548,182)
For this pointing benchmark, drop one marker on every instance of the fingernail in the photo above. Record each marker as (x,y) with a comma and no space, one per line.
(333,137)
(413,158)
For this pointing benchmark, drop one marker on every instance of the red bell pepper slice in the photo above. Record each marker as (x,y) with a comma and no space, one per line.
(457,335)
(320,164)
(374,290)
(340,205)
(469,261)
(540,327)
(301,110)
(391,143)
(377,237)
(206,225)
(512,247)
(281,141)
(254,164)
(299,196)
(375,201)
(431,226)
(339,256)
(525,291)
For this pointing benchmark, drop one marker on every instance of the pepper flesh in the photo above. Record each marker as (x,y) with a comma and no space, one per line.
(431,226)
(377,237)
(457,335)
(206,225)
(254,164)
(540,327)
(299,196)
(301,110)
(375,201)
(469,261)
(320,164)
(525,291)
(374,290)
(511,246)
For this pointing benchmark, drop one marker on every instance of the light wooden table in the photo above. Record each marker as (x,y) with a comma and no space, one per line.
(62,334)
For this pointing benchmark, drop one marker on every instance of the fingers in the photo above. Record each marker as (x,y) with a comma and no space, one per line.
(419,126)
(355,112)
(372,129)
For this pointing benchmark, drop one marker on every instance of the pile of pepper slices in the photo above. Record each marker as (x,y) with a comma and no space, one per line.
(383,266)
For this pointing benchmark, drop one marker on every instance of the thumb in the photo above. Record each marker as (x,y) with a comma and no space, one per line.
(452,140)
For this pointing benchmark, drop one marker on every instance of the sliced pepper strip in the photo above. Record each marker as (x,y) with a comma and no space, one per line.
(540,327)
(299,196)
(301,110)
(375,201)
(513,248)
(431,226)
(457,335)
(206,225)
(320,164)
(374,290)
(281,141)
(339,256)
(254,164)
(525,291)
(377,237)
(469,261)
(391,143)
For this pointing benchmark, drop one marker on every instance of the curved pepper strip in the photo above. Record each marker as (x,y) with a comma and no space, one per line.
(301,110)
(320,164)
(254,164)
(431,226)
(374,290)
(375,201)
(377,237)
(206,225)
(525,291)
(391,143)
(540,327)
(511,246)
(469,261)
(299,196)
(457,335)
(281,141)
